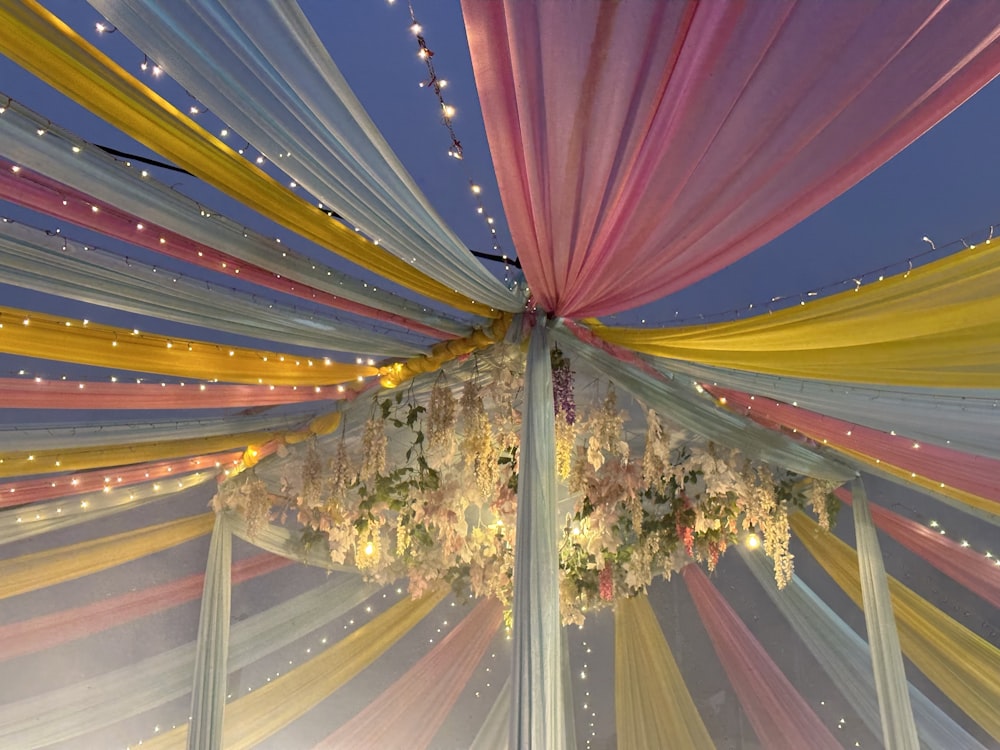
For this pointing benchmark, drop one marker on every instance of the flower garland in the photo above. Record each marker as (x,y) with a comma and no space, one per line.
(445,509)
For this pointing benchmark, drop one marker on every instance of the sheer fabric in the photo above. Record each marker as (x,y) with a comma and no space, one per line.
(971,569)
(976,475)
(31,33)
(653,708)
(927,327)
(411,711)
(538,708)
(47,631)
(36,570)
(263,70)
(779,715)
(963,420)
(33,259)
(959,662)
(256,716)
(52,172)
(845,657)
(898,729)
(642,146)
(698,414)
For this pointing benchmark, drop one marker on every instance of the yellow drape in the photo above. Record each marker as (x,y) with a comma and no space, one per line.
(49,337)
(41,43)
(968,498)
(653,708)
(256,716)
(933,326)
(962,665)
(444,352)
(28,463)
(37,570)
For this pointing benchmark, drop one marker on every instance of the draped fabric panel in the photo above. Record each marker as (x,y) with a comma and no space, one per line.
(256,716)
(700,415)
(263,70)
(76,709)
(845,657)
(898,729)
(927,327)
(68,394)
(640,147)
(33,259)
(946,493)
(977,475)
(49,337)
(34,489)
(23,523)
(48,631)
(208,693)
(538,709)
(960,563)
(653,708)
(23,464)
(36,570)
(494,734)
(31,34)
(63,167)
(960,663)
(963,420)
(779,715)
(88,434)
(411,710)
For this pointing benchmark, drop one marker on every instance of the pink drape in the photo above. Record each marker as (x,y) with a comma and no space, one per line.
(47,631)
(410,712)
(778,714)
(973,570)
(35,489)
(39,193)
(18,393)
(641,146)
(977,475)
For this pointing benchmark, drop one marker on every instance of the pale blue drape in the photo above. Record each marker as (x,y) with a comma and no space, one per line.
(682,404)
(845,657)
(33,259)
(208,692)
(76,709)
(955,418)
(38,518)
(263,70)
(494,734)
(88,433)
(898,729)
(537,717)
(93,172)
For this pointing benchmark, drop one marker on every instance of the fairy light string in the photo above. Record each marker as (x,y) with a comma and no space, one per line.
(437,84)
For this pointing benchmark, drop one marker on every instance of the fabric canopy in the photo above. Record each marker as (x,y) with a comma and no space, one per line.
(640,147)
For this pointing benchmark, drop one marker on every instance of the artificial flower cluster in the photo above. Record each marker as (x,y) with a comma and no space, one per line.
(444,509)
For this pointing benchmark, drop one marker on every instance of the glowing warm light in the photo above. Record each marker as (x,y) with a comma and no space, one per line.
(753,541)
(369,548)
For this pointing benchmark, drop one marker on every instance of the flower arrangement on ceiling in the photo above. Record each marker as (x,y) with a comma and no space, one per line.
(430,494)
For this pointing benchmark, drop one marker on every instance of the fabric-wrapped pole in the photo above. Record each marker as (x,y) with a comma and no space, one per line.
(208,698)
(537,718)
(898,729)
